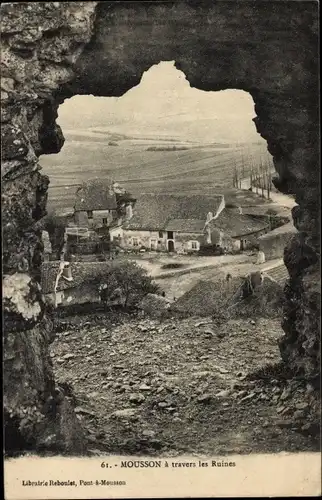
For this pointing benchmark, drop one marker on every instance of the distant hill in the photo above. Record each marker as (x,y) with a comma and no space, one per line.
(165,105)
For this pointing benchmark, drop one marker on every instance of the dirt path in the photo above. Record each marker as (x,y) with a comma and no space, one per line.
(155,268)
(143,387)
(278,198)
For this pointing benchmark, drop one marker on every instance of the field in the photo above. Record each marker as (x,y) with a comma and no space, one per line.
(197,169)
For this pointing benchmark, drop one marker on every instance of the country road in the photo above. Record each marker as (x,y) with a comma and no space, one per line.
(187,265)
(278,198)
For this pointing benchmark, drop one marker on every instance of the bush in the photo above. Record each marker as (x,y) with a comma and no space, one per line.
(128,280)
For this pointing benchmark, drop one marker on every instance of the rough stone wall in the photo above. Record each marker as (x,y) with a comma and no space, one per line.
(53,50)
(40,44)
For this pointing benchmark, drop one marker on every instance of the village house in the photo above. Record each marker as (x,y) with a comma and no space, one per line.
(236,231)
(170,223)
(190,223)
(274,243)
(161,222)
(69,283)
(101,206)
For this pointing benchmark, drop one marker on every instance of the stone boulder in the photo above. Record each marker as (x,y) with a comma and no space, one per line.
(154,305)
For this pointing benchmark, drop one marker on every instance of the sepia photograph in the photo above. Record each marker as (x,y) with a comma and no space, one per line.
(160,168)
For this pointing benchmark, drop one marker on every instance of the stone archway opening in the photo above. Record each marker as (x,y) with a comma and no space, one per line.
(160,136)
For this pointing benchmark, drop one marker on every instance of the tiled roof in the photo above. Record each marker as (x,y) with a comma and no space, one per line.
(265,209)
(234,224)
(82,272)
(186,225)
(285,229)
(278,274)
(155,211)
(96,194)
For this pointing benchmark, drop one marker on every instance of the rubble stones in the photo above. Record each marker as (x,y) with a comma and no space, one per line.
(125,413)
(163,404)
(171,399)
(302,406)
(204,398)
(136,398)
(223,394)
(145,387)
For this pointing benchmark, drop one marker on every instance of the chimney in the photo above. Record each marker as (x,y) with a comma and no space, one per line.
(209,216)
(67,272)
(129,211)
(208,235)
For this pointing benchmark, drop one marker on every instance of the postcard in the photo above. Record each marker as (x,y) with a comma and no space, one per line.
(161,247)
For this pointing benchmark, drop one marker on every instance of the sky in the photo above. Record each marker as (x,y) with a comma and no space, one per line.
(165,104)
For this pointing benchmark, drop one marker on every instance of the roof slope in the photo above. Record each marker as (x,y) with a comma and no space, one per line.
(285,229)
(186,225)
(155,211)
(207,298)
(278,274)
(234,224)
(82,272)
(96,194)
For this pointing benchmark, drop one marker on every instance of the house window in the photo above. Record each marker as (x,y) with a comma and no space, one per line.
(170,235)
(160,234)
(104,220)
(90,214)
(135,242)
(195,245)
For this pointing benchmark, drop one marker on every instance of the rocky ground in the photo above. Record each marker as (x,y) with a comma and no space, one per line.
(145,387)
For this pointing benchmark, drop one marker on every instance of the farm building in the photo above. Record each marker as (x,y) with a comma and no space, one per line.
(101,204)
(234,297)
(273,243)
(100,208)
(236,231)
(170,223)
(78,282)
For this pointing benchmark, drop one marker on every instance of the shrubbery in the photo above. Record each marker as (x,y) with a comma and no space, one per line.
(127,281)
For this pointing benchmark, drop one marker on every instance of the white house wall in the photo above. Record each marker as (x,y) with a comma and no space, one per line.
(144,239)
(82,219)
(116,232)
(182,241)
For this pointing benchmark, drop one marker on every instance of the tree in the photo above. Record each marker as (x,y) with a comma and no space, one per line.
(107,289)
(251,178)
(104,245)
(131,280)
(269,185)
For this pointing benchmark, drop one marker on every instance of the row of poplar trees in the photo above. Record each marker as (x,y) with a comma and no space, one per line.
(258,172)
